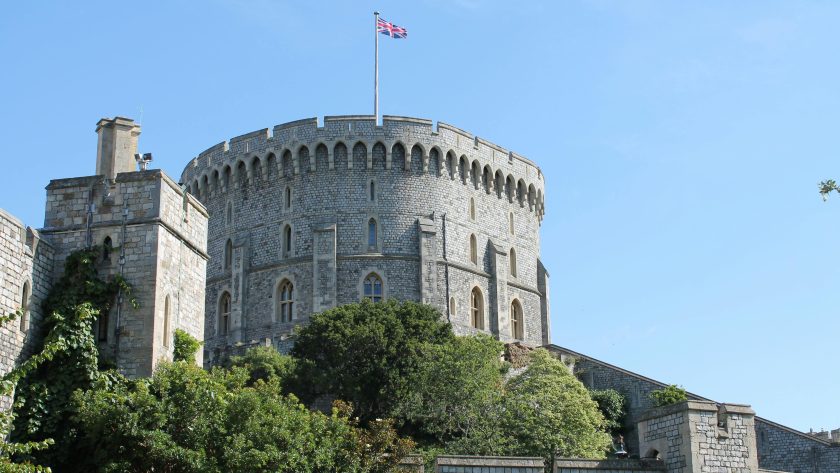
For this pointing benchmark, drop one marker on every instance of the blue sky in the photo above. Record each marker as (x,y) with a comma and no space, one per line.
(682,143)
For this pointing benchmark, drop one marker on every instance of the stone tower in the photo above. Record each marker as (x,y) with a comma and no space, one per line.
(150,231)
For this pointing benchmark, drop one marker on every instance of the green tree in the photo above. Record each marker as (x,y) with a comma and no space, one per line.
(612,405)
(265,363)
(668,395)
(185,347)
(362,353)
(185,419)
(455,395)
(549,413)
(827,187)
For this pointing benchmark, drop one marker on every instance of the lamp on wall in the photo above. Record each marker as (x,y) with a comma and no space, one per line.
(143,161)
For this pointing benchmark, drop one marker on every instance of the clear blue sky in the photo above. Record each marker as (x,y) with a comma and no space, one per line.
(682,143)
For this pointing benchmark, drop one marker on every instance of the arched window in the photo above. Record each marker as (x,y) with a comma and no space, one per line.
(287,241)
(228,254)
(224,314)
(372,191)
(472,209)
(373,287)
(477,309)
(510,223)
(107,246)
(166,315)
(512,258)
(473,250)
(287,198)
(24,306)
(452,306)
(285,301)
(516,328)
(372,237)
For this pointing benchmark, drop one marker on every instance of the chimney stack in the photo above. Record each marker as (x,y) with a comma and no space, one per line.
(117,146)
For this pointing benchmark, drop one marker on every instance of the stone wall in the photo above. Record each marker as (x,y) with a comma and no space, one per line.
(786,449)
(471,464)
(576,465)
(701,437)
(779,447)
(26,266)
(157,236)
(427,189)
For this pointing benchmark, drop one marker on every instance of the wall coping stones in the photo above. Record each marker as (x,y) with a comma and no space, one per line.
(470,460)
(622,464)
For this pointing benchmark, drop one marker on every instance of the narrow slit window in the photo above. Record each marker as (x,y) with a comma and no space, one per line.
(224,314)
(372,239)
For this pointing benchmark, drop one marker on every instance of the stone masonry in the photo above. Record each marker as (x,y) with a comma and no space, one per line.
(322,207)
(26,262)
(778,448)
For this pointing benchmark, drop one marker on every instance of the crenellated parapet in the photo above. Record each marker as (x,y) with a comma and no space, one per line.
(400,144)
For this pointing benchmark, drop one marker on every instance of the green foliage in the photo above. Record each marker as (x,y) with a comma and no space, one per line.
(265,363)
(668,395)
(455,395)
(827,187)
(363,353)
(185,346)
(612,405)
(186,419)
(42,399)
(549,413)
(8,382)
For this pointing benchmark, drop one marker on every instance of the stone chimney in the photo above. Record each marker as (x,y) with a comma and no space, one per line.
(116,147)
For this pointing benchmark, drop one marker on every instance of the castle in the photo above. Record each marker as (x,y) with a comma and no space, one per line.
(270,227)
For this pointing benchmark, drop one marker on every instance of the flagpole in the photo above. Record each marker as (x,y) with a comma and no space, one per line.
(376,68)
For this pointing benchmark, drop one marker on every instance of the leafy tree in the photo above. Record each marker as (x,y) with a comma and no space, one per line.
(612,405)
(827,187)
(265,363)
(668,395)
(455,395)
(186,419)
(549,413)
(363,353)
(185,347)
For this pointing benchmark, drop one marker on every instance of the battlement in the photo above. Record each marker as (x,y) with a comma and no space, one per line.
(357,142)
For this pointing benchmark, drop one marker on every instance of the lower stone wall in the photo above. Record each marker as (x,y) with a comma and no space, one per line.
(576,465)
(471,464)
(784,449)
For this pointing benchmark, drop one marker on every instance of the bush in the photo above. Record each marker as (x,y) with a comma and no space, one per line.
(362,353)
(668,395)
(264,363)
(612,405)
(185,346)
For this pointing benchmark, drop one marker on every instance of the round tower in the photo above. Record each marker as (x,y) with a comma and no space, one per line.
(306,217)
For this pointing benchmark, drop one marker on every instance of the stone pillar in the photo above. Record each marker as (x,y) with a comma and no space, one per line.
(324,278)
(427,236)
(116,146)
(499,317)
(238,285)
(545,313)
(700,436)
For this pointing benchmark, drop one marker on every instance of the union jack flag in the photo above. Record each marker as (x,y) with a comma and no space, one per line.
(389,29)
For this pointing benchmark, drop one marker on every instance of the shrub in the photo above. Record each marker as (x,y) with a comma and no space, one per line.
(185,346)
(612,405)
(668,395)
